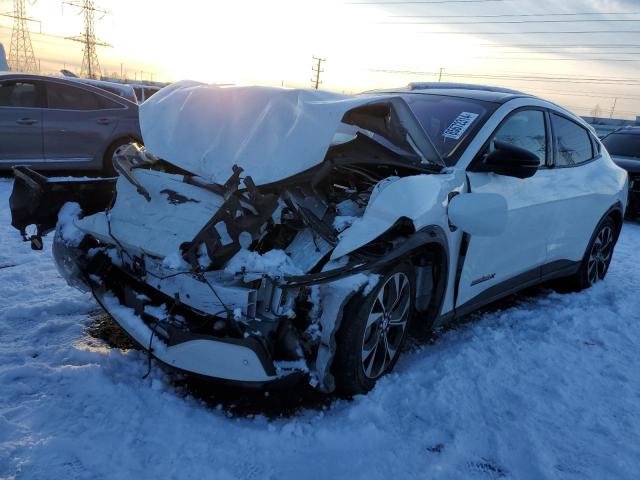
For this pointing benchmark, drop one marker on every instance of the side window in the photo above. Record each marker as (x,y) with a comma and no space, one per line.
(67,97)
(525,129)
(573,143)
(18,94)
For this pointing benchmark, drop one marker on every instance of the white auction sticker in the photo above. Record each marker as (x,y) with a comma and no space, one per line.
(459,125)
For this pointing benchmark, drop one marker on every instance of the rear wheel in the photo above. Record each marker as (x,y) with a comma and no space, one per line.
(373,332)
(597,259)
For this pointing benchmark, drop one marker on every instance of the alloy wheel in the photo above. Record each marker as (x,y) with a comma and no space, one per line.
(386,325)
(600,255)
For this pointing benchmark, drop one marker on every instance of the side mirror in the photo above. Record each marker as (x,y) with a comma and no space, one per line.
(509,160)
(482,214)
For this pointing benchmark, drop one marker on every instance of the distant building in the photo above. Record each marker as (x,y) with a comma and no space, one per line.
(605,126)
(4,67)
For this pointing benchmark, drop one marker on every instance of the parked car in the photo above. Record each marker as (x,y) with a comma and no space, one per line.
(624,147)
(143,92)
(62,124)
(120,89)
(264,233)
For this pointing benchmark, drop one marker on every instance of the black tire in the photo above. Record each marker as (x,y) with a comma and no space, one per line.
(597,258)
(358,363)
(107,163)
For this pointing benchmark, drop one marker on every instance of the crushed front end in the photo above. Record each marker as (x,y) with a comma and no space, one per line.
(228,281)
(235,279)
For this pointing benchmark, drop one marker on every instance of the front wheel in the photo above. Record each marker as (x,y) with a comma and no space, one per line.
(373,331)
(597,259)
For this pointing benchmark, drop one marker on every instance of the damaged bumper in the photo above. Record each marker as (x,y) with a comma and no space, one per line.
(178,333)
(241,360)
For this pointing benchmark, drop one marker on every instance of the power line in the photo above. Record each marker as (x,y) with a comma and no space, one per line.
(556,59)
(558,75)
(564,76)
(558,45)
(513,15)
(523,78)
(586,80)
(543,52)
(512,22)
(585,94)
(546,32)
(424,2)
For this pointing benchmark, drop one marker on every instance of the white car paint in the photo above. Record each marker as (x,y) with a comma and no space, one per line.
(482,214)
(156,227)
(420,198)
(551,215)
(514,225)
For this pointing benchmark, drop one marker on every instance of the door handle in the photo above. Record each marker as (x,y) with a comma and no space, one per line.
(26,121)
(104,121)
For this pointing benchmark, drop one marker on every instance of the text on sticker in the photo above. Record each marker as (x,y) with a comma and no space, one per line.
(459,125)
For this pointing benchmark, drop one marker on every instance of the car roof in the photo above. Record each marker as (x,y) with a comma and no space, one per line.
(68,80)
(126,91)
(462,90)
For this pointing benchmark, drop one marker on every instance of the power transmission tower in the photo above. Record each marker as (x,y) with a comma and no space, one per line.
(90,63)
(21,57)
(317,70)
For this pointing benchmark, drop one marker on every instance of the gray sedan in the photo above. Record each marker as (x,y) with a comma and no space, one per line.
(57,124)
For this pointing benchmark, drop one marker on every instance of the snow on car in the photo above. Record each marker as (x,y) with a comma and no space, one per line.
(263,233)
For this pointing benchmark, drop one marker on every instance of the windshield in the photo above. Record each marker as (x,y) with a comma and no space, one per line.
(623,144)
(449,121)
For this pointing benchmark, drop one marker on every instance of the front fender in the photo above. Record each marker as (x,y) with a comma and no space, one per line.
(422,199)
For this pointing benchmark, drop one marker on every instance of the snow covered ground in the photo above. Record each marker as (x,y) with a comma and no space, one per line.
(546,388)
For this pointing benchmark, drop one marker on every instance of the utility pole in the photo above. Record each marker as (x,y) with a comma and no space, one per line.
(613,107)
(90,63)
(21,57)
(440,74)
(317,70)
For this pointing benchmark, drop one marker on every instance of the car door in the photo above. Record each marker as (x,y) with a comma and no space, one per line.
(77,123)
(494,265)
(21,121)
(581,191)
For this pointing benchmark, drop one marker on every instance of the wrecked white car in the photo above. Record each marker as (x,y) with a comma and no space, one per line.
(266,233)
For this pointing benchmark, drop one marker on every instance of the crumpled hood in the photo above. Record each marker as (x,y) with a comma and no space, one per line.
(272,133)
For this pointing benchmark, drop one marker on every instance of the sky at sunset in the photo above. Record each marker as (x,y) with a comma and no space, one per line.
(370,45)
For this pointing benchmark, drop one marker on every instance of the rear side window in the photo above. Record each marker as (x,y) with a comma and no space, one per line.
(572,142)
(67,97)
(18,94)
(525,129)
